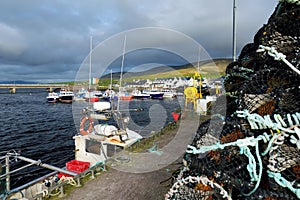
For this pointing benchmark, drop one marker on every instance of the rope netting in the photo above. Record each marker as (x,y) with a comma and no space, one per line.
(250,148)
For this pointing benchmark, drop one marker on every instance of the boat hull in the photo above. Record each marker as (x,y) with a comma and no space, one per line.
(93,99)
(141,96)
(66,99)
(125,98)
(169,95)
(157,96)
(52,100)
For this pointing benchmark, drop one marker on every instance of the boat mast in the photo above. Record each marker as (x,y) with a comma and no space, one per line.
(199,60)
(233,33)
(90,69)
(110,79)
(121,73)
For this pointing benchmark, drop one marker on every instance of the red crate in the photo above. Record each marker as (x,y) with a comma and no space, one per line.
(77,166)
(59,175)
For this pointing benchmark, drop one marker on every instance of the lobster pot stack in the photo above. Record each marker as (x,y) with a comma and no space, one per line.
(251,149)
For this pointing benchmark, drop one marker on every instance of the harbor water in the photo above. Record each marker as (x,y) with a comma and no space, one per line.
(40,130)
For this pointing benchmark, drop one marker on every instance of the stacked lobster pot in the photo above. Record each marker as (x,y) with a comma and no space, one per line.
(251,149)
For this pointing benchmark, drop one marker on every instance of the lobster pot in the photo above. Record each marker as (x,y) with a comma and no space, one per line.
(253,150)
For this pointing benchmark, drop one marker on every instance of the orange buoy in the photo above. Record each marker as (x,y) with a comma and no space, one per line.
(83,122)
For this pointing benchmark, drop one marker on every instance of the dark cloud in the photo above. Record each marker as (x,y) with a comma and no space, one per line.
(48,40)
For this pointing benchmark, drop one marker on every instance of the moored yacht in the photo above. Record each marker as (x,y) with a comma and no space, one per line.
(52,97)
(154,94)
(137,94)
(169,93)
(66,96)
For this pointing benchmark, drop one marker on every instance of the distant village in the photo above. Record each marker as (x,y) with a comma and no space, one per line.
(177,83)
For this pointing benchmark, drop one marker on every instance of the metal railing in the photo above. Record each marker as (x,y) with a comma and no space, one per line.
(56,183)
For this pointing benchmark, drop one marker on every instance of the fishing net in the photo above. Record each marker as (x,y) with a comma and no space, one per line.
(250,149)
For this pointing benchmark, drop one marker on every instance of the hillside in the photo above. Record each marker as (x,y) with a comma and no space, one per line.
(207,69)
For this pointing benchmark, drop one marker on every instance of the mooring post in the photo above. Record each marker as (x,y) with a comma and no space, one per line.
(12,90)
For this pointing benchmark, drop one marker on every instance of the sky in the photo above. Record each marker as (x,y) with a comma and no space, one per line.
(47,41)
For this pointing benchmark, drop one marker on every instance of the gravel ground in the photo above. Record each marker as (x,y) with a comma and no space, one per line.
(114,184)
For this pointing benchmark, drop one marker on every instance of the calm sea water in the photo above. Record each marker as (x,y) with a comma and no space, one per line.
(41,130)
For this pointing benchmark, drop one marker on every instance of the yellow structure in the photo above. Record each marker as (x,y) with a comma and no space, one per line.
(192,93)
(191,96)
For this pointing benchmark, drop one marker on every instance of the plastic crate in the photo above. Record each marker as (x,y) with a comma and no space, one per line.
(77,166)
(59,175)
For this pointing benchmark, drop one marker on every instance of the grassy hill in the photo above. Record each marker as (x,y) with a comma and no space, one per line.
(208,69)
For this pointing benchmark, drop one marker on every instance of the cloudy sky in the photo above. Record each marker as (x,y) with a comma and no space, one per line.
(47,41)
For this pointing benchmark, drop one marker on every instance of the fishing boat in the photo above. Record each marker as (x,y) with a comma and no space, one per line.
(124,95)
(154,94)
(79,96)
(91,97)
(109,94)
(52,97)
(66,96)
(98,93)
(137,94)
(169,93)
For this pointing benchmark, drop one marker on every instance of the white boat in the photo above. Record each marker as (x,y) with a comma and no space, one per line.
(66,96)
(91,97)
(109,94)
(103,135)
(154,94)
(79,96)
(101,106)
(98,93)
(169,93)
(52,97)
(137,94)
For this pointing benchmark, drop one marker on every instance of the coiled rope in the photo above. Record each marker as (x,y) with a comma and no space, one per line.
(244,149)
(195,179)
(257,121)
(277,56)
(283,182)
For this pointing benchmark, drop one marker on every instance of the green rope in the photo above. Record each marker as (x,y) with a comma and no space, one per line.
(252,166)
(154,149)
(98,163)
(283,182)
(249,141)
(244,149)
(269,145)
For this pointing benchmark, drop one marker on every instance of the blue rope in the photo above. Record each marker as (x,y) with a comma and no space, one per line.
(252,168)
(244,149)
(283,182)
